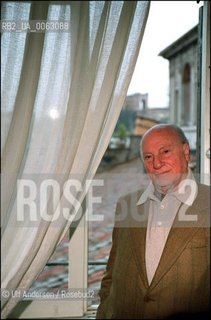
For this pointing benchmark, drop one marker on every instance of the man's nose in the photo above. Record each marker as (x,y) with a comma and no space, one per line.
(157,163)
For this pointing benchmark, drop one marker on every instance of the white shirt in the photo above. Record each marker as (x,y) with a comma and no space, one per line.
(160,219)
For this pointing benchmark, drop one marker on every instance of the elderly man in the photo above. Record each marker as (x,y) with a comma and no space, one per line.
(159,263)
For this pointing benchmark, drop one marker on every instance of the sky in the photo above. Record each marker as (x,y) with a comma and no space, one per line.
(167,21)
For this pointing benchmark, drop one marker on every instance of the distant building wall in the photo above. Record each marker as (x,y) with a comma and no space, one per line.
(182,56)
(136,107)
(137,101)
(143,124)
(158,114)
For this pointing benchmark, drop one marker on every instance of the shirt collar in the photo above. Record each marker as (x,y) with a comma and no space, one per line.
(148,193)
(187,189)
(181,194)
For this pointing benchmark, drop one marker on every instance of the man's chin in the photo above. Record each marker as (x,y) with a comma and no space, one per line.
(164,186)
(166,182)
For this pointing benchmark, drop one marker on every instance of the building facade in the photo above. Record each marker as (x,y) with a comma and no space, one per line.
(183,64)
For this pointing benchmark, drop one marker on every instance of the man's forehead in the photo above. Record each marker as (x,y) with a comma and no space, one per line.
(161,136)
(167,131)
(158,146)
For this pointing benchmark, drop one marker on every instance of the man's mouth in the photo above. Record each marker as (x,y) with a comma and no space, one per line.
(161,173)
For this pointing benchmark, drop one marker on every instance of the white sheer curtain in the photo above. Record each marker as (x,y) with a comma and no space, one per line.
(62,93)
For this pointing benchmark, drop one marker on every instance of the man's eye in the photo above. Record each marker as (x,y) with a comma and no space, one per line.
(166,151)
(147,158)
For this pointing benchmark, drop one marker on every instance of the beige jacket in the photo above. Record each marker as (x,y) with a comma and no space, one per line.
(181,283)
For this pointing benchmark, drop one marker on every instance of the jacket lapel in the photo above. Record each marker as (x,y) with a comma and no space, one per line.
(180,234)
(176,243)
(137,231)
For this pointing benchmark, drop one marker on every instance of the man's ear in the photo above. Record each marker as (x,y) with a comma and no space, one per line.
(186,150)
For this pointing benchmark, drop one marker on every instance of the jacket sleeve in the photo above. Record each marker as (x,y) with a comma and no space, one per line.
(107,279)
(120,216)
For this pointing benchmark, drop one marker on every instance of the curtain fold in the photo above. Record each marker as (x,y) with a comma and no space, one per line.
(70,92)
(23,108)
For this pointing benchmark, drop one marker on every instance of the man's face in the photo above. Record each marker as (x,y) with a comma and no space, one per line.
(165,158)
